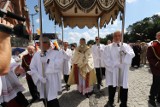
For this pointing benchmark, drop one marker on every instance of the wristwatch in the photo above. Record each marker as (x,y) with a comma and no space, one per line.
(6,29)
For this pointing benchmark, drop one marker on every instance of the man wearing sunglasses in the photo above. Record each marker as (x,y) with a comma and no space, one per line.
(97,51)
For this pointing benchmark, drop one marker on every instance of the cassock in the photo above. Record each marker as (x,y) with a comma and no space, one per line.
(67,62)
(153,56)
(136,59)
(26,60)
(97,52)
(83,72)
(53,67)
(114,67)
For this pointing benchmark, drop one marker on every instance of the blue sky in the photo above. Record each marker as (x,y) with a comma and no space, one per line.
(135,10)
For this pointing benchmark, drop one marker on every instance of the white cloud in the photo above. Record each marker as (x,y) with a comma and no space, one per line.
(158,13)
(37,20)
(74,35)
(131,1)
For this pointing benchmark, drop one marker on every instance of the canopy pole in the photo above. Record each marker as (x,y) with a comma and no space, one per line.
(42,52)
(98,27)
(122,40)
(40,18)
(99,51)
(62,31)
(123,23)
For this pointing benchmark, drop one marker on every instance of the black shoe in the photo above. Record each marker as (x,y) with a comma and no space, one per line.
(87,95)
(109,105)
(98,86)
(67,87)
(121,105)
(153,103)
(101,84)
(158,101)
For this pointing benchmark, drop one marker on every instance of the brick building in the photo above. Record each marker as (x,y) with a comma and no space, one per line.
(19,8)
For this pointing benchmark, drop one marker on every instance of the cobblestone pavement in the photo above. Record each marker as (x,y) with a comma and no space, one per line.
(139,86)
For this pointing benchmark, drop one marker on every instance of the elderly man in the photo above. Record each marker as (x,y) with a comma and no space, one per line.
(117,59)
(97,51)
(26,60)
(83,73)
(67,63)
(153,56)
(45,70)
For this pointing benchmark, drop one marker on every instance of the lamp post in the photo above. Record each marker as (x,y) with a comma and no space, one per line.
(32,17)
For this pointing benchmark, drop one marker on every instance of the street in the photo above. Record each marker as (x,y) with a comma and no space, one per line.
(139,85)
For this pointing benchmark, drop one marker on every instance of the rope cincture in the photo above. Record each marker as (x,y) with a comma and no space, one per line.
(156,56)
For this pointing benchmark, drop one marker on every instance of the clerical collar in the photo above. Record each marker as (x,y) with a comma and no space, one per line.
(117,44)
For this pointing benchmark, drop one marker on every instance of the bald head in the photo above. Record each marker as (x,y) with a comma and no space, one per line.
(117,36)
(158,36)
(31,49)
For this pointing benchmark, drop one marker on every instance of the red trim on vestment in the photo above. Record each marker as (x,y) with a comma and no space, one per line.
(87,80)
(75,69)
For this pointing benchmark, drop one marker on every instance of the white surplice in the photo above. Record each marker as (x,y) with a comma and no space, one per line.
(97,52)
(67,62)
(53,66)
(114,66)
(10,84)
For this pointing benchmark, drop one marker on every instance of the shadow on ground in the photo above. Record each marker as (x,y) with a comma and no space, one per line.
(71,99)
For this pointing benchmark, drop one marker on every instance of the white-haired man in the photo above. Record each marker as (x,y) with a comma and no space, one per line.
(45,72)
(117,59)
(26,60)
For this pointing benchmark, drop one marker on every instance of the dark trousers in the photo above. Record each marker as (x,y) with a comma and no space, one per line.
(123,95)
(66,77)
(155,89)
(52,103)
(32,87)
(100,72)
(20,99)
(136,61)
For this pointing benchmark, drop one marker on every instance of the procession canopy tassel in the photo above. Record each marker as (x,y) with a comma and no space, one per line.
(75,9)
(96,10)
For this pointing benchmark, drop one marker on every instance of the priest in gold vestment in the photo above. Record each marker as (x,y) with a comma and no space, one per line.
(83,73)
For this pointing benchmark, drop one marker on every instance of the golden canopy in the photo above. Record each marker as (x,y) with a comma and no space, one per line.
(83,13)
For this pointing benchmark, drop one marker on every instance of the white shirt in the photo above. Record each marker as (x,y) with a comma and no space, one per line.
(97,52)
(117,72)
(53,66)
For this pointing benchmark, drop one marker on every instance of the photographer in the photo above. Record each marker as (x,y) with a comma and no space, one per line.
(5,49)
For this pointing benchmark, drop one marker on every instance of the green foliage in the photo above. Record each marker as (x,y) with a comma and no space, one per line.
(143,30)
